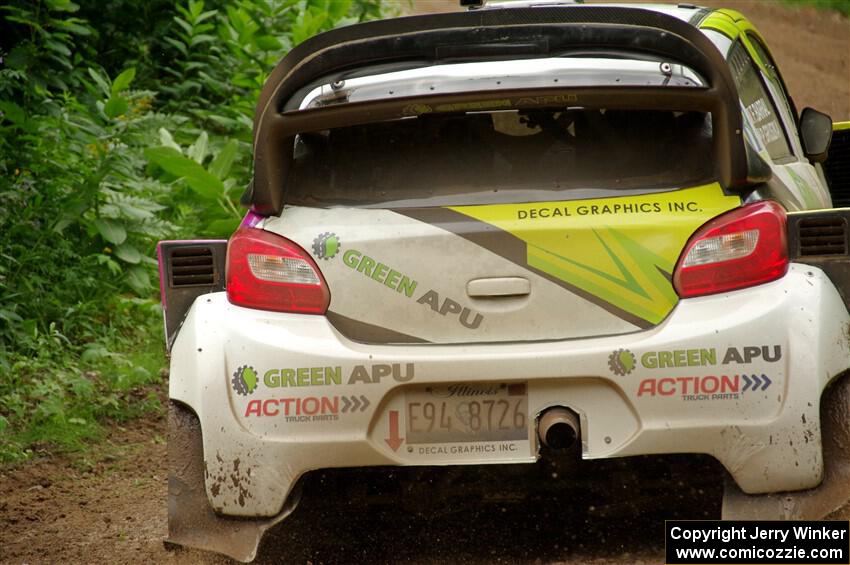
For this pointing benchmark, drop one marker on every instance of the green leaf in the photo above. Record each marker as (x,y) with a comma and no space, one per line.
(111,231)
(101,82)
(58,47)
(123,80)
(184,24)
(201,38)
(222,163)
(223,228)
(202,182)
(62,5)
(268,43)
(12,112)
(9,316)
(115,106)
(62,223)
(138,210)
(205,16)
(167,140)
(236,18)
(113,267)
(94,353)
(198,150)
(178,45)
(73,25)
(128,253)
(307,25)
(138,279)
(195,8)
(338,8)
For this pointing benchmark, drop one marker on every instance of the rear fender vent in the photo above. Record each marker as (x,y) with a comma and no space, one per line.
(192,266)
(837,168)
(822,235)
(187,270)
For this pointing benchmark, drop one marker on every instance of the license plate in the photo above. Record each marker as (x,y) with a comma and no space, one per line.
(467,412)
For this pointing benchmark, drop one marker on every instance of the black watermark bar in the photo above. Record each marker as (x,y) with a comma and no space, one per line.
(707,542)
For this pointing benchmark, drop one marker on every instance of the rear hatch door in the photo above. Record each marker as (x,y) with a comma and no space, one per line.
(502,226)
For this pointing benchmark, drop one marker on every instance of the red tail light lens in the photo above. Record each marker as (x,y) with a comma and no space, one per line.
(739,249)
(269,272)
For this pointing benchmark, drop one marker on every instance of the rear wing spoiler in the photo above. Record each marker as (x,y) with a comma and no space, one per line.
(490,35)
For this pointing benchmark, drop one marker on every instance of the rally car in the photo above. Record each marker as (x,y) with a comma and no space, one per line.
(529,227)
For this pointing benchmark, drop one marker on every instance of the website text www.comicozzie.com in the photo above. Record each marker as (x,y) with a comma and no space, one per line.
(757,542)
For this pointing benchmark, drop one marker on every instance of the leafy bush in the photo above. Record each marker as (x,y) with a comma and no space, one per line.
(121,123)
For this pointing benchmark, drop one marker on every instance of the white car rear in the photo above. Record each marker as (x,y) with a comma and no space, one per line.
(583,253)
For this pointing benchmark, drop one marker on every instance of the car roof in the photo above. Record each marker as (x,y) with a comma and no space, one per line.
(690,13)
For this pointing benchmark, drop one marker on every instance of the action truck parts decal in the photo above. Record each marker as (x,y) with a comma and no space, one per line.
(710,387)
(309,409)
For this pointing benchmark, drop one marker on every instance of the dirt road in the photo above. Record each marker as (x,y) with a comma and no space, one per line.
(110,507)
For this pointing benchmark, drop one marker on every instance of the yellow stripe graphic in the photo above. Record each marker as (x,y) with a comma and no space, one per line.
(620,250)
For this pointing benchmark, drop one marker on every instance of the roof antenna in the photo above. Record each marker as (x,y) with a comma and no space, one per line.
(471,4)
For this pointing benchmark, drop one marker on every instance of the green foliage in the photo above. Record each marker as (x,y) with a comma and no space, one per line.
(55,394)
(121,123)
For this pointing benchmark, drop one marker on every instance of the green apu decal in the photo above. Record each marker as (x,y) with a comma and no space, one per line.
(622,361)
(380,272)
(244,380)
(403,284)
(708,357)
(331,376)
(326,246)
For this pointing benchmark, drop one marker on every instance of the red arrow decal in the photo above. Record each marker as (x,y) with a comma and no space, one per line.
(394,441)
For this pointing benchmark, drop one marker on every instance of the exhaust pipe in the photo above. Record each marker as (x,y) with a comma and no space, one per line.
(558,428)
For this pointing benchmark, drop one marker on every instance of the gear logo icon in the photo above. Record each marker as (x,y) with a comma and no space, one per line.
(244,380)
(326,246)
(621,362)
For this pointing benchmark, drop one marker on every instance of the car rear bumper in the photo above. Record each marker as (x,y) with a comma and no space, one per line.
(737,376)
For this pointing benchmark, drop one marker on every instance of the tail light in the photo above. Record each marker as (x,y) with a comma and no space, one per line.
(269,272)
(739,249)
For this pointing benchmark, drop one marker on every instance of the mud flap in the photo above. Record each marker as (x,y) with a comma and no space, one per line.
(816,503)
(191,520)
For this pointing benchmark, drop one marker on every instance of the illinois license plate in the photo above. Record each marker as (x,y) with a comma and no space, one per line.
(467,412)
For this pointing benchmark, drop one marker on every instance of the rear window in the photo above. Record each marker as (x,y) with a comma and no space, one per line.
(504,156)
